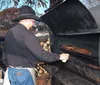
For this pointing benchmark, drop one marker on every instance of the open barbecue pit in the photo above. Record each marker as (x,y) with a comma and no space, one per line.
(76,31)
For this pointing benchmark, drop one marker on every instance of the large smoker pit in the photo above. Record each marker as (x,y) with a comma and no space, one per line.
(74,26)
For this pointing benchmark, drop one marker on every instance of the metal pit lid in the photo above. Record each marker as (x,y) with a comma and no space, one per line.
(71,17)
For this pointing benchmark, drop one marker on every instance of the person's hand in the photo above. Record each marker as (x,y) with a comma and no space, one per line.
(64,57)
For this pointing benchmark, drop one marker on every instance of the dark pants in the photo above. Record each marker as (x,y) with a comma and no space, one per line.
(20,77)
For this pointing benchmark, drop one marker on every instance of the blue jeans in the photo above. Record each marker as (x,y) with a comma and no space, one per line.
(20,77)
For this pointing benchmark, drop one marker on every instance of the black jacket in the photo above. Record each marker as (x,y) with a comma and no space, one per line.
(21,48)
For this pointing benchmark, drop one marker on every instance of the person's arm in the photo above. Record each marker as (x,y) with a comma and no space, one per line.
(4,57)
(33,45)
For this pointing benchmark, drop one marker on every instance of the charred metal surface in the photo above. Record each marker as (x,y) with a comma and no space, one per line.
(70,17)
(84,70)
(77,68)
(63,76)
